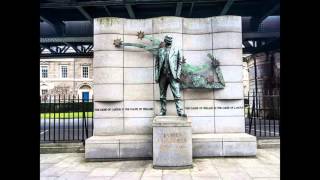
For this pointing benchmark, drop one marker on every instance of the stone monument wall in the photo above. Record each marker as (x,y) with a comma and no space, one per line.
(126,95)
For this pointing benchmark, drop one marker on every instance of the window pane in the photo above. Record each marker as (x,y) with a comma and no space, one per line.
(85,71)
(64,71)
(44,71)
(44,91)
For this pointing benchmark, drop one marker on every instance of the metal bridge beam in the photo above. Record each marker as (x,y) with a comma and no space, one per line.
(130,11)
(85,13)
(226,7)
(178,9)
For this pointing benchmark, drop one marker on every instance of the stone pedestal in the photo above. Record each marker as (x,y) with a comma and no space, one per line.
(172,142)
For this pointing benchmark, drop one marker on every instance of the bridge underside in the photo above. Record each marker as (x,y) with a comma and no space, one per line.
(66,27)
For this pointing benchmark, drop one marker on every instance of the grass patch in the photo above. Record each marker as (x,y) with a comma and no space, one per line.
(66,115)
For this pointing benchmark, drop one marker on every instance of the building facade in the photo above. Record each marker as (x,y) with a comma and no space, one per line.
(66,77)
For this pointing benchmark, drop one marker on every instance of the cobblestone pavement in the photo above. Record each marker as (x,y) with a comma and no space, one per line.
(73,166)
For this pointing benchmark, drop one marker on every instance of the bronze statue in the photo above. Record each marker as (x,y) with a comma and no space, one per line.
(167,68)
(167,72)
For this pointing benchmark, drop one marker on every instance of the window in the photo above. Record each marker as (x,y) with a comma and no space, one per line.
(64,71)
(44,71)
(85,71)
(44,91)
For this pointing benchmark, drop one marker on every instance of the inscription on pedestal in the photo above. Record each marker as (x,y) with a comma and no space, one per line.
(172,142)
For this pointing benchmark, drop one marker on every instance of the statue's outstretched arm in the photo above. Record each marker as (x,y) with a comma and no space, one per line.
(134,45)
(152,49)
(155,42)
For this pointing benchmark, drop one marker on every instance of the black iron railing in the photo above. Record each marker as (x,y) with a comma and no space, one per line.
(65,119)
(262,114)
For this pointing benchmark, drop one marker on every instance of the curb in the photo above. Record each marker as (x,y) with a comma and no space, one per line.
(52,148)
(268,143)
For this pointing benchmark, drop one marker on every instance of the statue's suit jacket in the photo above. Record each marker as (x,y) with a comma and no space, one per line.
(174,62)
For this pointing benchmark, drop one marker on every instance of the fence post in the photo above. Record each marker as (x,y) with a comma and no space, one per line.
(49,116)
(54,118)
(59,112)
(64,114)
(72,116)
(78,117)
(40,116)
(92,104)
(83,119)
(69,117)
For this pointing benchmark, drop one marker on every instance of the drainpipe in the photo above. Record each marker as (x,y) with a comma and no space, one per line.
(74,75)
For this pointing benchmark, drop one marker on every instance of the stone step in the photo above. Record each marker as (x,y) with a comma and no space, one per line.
(140,146)
(51,148)
(268,143)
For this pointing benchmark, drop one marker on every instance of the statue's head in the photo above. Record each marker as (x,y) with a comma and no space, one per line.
(168,40)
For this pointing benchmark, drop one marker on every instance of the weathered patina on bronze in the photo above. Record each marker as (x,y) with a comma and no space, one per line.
(171,69)
(192,77)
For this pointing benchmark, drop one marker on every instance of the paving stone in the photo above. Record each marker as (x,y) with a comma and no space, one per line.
(98,178)
(151,178)
(200,170)
(73,176)
(82,168)
(54,171)
(182,171)
(262,172)
(263,167)
(48,178)
(240,175)
(250,162)
(206,178)
(127,175)
(150,171)
(133,166)
(104,171)
(176,177)
(45,166)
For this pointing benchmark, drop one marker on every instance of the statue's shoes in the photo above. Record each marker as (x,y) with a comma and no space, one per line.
(182,115)
(162,114)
